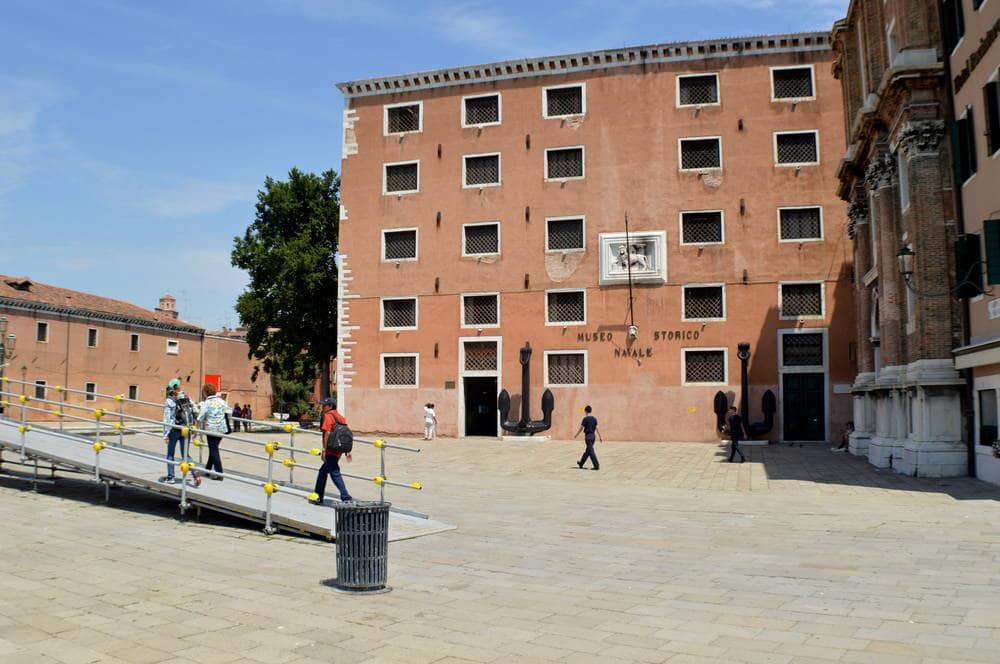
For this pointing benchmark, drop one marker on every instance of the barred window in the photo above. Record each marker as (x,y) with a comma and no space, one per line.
(134,343)
(40,389)
(798,147)
(701,153)
(801,223)
(480,356)
(564,101)
(41,333)
(566,307)
(402,119)
(697,90)
(802,350)
(90,391)
(399,245)
(566,368)
(480,310)
(402,178)
(92,337)
(399,313)
(482,170)
(563,163)
(792,83)
(564,234)
(399,370)
(133,392)
(801,300)
(481,239)
(482,110)
(704,302)
(705,366)
(701,227)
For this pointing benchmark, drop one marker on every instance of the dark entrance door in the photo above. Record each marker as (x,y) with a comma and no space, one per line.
(804,412)
(480,406)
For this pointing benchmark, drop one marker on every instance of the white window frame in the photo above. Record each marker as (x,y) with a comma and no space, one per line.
(822,224)
(499,121)
(138,342)
(461,311)
(381,375)
(97,337)
(797,164)
(569,217)
(583,100)
(130,390)
(793,100)
(385,177)
(569,351)
(40,325)
(176,345)
(385,118)
(381,313)
(550,323)
(680,154)
(812,282)
(465,253)
(416,245)
(40,384)
(684,288)
(90,395)
(466,185)
(677,90)
(680,228)
(725,365)
(583,163)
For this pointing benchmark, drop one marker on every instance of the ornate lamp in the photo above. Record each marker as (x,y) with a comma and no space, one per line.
(905,258)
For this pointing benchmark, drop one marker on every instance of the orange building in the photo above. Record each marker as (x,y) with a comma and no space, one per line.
(485,206)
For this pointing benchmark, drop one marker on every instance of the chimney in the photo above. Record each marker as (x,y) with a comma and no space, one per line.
(168,305)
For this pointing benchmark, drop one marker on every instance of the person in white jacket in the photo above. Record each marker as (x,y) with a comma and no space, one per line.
(213,419)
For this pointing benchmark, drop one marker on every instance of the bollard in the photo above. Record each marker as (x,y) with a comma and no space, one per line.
(269,488)
(362,532)
(291,452)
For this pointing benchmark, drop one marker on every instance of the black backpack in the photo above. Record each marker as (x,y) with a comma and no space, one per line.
(184,413)
(340,440)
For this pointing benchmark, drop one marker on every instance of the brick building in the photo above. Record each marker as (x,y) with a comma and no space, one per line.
(485,206)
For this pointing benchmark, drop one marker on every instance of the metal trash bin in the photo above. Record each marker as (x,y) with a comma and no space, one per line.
(362,532)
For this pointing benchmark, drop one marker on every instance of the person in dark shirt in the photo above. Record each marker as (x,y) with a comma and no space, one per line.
(589,428)
(734,423)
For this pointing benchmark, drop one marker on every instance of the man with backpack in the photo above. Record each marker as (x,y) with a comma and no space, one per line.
(337,440)
(178,411)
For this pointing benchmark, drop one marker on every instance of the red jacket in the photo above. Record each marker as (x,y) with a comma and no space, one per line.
(330,418)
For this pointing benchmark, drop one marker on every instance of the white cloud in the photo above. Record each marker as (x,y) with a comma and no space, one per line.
(189,198)
(23,101)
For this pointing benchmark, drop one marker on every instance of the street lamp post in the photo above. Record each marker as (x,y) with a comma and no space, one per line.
(6,346)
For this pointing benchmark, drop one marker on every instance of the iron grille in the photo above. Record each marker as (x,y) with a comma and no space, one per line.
(401,177)
(565,234)
(483,239)
(797,148)
(482,110)
(793,83)
(481,310)
(482,170)
(704,366)
(400,245)
(703,302)
(700,153)
(566,369)
(800,224)
(564,101)
(701,227)
(399,313)
(695,90)
(801,300)
(567,163)
(568,307)
(802,350)
(404,118)
(480,356)
(400,370)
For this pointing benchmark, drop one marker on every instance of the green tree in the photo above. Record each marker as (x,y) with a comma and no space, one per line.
(290,306)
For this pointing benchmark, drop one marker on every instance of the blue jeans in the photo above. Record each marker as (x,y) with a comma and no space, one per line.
(331,467)
(173,438)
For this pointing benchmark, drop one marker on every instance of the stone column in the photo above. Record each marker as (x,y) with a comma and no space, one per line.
(859,231)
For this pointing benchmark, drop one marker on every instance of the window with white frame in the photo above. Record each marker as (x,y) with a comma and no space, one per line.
(903,168)
(698,154)
(399,244)
(403,118)
(706,366)
(704,302)
(481,110)
(801,223)
(133,392)
(92,337)
(566,307)
(481,310)
(173,347)
(796,148)
(702,227)
(565,367)
(564,234)
(565,100)
(90,391)
(792,83)
(802,350)
(41,333)
(399,370)
(481,239)
(564,163)
(40,389)
(402,178)
(801,300)
(481,170)
(133,343)
(697,89)
(399,313)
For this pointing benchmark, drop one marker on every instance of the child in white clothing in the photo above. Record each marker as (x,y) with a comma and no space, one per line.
(430,421)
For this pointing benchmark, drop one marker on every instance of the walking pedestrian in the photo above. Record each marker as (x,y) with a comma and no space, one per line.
(430,421)
(331,460)
(213,419)
(589,428)
(237,416)
(247,415)
(178,412)
(734,425)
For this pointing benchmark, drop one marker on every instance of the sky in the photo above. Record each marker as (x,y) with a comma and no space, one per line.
(134,136)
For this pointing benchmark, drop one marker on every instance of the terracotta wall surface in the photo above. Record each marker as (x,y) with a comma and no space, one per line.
(228,357)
